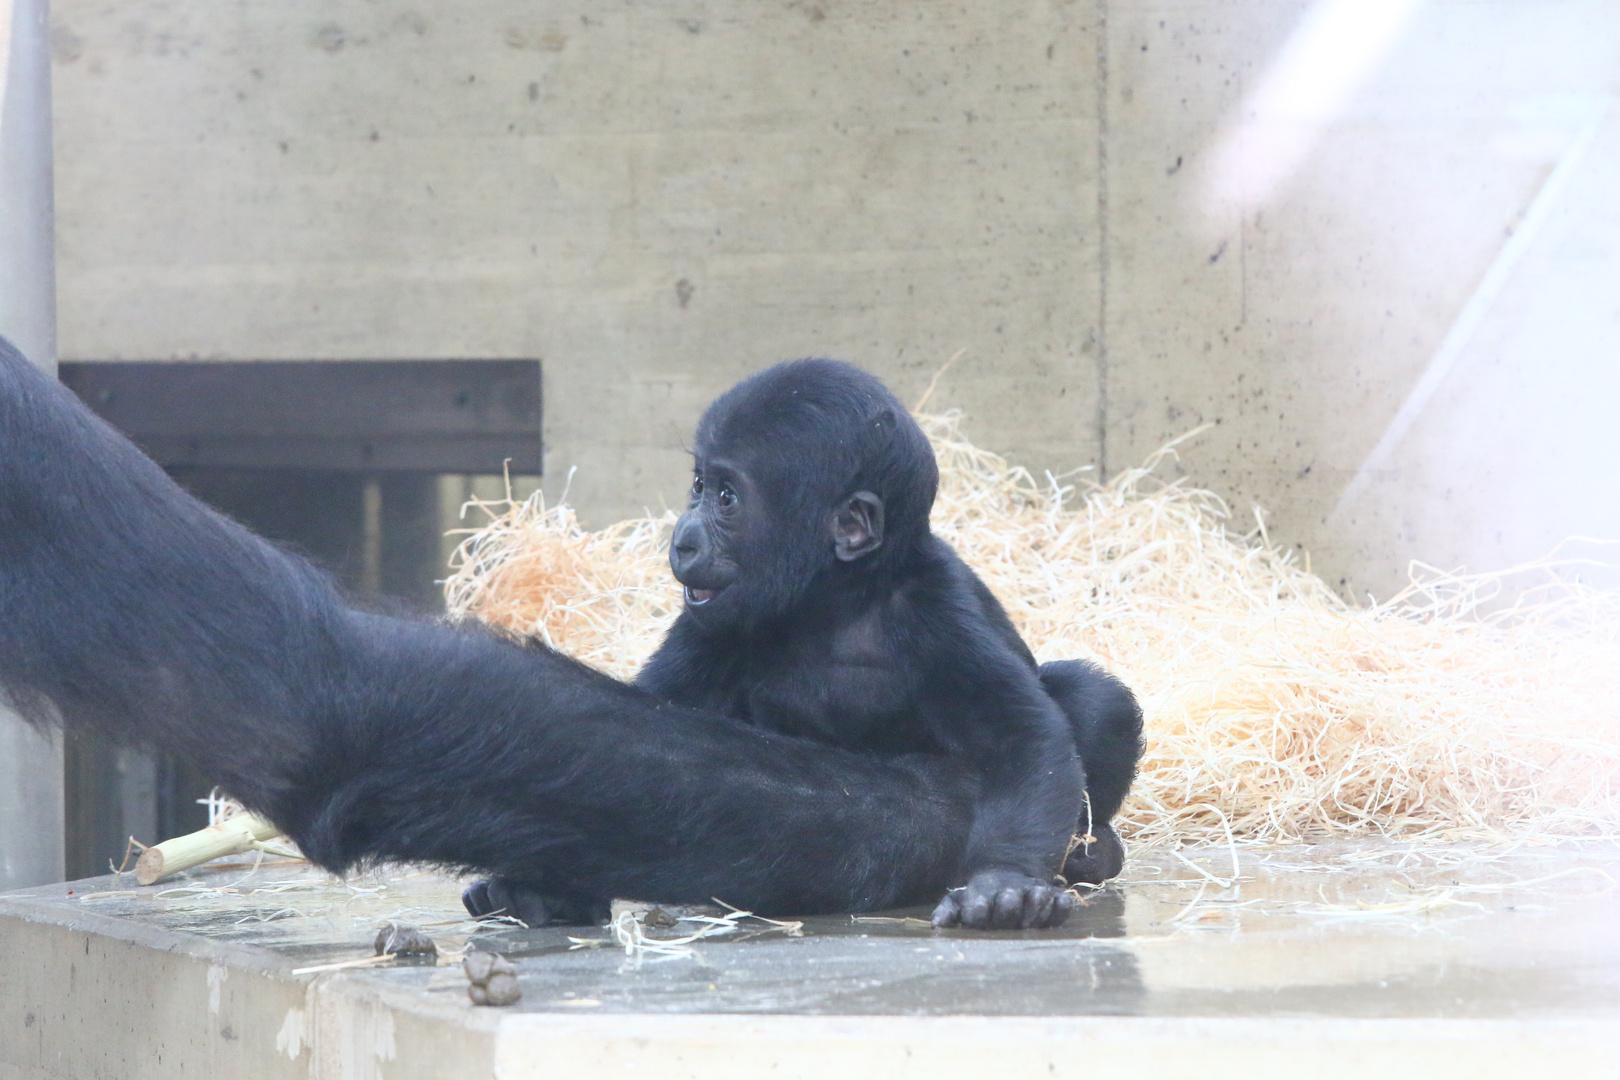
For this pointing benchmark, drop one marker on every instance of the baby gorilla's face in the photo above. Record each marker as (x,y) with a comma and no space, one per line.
(722,513)
(791,494)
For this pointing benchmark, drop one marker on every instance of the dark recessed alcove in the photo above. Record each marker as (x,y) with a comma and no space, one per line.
(356,465)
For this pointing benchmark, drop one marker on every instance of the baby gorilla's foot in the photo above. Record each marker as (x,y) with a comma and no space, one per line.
(502,896)
(1095,862)
(1003,900)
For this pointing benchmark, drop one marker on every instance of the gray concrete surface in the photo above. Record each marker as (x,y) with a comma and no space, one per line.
(653,198)
(30,764)
(31,813)
(659,197)
(27,225)
(1299,307)
(1325,960)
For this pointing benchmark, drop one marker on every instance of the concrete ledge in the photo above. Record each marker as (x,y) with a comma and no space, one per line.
(929,1048)
(1305,975)
(109,998)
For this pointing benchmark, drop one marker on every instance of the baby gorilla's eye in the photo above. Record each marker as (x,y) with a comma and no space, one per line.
(728,497)
(697,490)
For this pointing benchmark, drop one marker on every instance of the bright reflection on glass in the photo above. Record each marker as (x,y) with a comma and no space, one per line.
(1475,311)
(1337,45)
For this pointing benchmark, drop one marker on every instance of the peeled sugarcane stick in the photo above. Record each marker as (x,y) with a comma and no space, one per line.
(233,836)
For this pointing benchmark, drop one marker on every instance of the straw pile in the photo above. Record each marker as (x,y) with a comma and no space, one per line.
(1275,710)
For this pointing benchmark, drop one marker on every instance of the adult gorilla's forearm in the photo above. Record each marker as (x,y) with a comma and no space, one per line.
(547,771)
(137,611)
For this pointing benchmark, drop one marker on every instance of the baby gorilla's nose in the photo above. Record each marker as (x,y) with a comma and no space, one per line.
(686,547)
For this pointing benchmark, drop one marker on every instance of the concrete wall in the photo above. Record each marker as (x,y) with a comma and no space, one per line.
(653,198)
(1386,218)
(1111,207)
(30,763)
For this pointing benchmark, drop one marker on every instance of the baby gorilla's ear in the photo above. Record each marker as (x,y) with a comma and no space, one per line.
(857,526)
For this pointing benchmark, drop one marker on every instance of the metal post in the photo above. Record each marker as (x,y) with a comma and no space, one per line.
(30,764)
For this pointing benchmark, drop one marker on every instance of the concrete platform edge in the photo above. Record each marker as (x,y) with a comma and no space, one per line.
(97,997)
(1144,1048)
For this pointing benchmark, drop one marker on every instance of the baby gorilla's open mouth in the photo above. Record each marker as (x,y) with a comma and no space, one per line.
(699,597)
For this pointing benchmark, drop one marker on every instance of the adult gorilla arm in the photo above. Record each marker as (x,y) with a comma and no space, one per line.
(128,607)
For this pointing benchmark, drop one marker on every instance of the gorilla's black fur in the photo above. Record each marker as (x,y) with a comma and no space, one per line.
(820,604)
(128,607)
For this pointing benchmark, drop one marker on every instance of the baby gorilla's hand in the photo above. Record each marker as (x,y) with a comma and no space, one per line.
(1004,900)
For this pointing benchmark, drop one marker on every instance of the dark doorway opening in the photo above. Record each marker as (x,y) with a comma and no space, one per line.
(358,465)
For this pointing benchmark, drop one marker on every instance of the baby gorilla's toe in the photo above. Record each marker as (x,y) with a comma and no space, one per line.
(475,898)
(1097,861)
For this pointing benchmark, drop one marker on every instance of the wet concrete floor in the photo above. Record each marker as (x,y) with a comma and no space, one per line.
(1344,930)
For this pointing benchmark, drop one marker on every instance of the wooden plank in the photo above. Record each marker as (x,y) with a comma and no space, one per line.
(452,416)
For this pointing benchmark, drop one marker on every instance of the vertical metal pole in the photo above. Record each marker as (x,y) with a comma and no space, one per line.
(30,764)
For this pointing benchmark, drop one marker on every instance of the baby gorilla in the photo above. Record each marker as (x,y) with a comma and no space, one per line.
(820,605)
